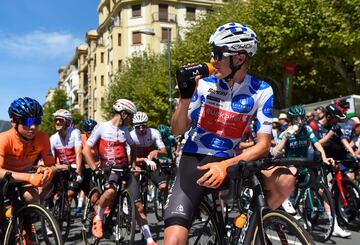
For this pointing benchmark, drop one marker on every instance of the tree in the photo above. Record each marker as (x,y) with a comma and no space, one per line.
(321,37)
(59,101)
(144,81)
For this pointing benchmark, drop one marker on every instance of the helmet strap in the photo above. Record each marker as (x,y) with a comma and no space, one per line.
(233,68)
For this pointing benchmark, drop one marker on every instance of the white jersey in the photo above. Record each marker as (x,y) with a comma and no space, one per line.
(147,143)
(64,149)
(220,114)
(112,143)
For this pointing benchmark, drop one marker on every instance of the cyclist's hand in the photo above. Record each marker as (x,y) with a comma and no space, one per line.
(329,161)
(47,172)
(215,175)
(151,164)
(36,179)
(153,155)
(99,172)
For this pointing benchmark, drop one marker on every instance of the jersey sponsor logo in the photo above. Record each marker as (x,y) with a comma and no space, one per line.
(218,92)
(242,103)
(223,123)
(209,97)
(268,107)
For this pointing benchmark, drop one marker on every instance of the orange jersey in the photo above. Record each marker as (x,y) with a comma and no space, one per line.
(18,156)
(94,150)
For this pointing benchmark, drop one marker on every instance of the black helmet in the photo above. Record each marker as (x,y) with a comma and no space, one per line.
(23,108)
(89,125)
(333,111)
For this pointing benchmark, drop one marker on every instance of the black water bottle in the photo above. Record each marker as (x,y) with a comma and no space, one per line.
(185,77)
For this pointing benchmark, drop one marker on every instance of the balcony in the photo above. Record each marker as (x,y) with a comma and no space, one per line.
(164,17)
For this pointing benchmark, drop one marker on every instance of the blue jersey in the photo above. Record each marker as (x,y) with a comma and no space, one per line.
(220,114)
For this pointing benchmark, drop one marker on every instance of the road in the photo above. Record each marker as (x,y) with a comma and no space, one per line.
(157,230)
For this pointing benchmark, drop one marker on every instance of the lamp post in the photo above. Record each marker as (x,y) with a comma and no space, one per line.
(152,33)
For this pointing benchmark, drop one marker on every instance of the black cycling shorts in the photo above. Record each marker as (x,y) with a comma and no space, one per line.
(186,195)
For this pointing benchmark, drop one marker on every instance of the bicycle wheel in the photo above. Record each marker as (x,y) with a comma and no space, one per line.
(159,203)
(125,225)
(204,229)
(318,223)
(62,213)
(348,214)
(28,227)
(281,228)
(89,214)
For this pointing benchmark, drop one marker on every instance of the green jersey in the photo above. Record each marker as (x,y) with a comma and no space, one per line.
(297,144)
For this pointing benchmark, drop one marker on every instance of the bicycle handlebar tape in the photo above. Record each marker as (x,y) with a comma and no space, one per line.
(185,77)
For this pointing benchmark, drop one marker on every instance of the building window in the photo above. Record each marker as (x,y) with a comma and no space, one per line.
(119,65)
(136,10)
(94,62)
(164,34)
(136,37)
(102,57)
(190,14)
(102,82)
(119,39)
(163,12)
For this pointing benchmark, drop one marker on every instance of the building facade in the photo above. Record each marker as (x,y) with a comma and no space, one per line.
(126,27)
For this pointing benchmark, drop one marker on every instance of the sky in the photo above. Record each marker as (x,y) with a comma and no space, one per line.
(37,37)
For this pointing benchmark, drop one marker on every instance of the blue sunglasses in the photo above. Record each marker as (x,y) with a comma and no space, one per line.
(31,121)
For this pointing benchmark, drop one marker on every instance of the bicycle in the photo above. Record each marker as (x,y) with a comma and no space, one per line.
(261,224)
(121,217)
(24,223)
(347,196)
(159,199)
(58,202)
(311,199)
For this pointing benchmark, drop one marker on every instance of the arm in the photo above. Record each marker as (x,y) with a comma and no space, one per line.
(326,137)
(89,157)
(180,120)
(78,152)
(326,160)
(347,146)
(278,149)
(133,159)
(216,173)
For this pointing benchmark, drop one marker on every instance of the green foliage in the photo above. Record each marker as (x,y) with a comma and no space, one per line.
(145,82)
(321,37)
(59,101)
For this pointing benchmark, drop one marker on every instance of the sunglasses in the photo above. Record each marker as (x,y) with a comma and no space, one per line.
(59,119)
(31,121)
(218,53)
(140,126)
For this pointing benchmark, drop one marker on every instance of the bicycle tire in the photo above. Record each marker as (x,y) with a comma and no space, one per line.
(159,203)
(126,223)
(318,223)
(349,216)
(204,229)
(290,229)
(62,216)
(88,216)
(36,216)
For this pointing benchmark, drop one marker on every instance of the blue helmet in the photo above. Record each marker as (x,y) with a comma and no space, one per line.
(23,108)
(89,125)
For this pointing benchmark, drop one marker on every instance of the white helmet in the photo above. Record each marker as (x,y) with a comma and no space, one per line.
(124,105)
(140,117)
(234,37)
(64,114)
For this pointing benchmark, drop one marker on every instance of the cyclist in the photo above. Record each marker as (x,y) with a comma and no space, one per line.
(330,135)
(146,140)
(294,141)
(169,141)
(218,109)
(21,145)
(112,137)
(66,147)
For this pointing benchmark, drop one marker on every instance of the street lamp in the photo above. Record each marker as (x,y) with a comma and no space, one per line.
(150,32)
